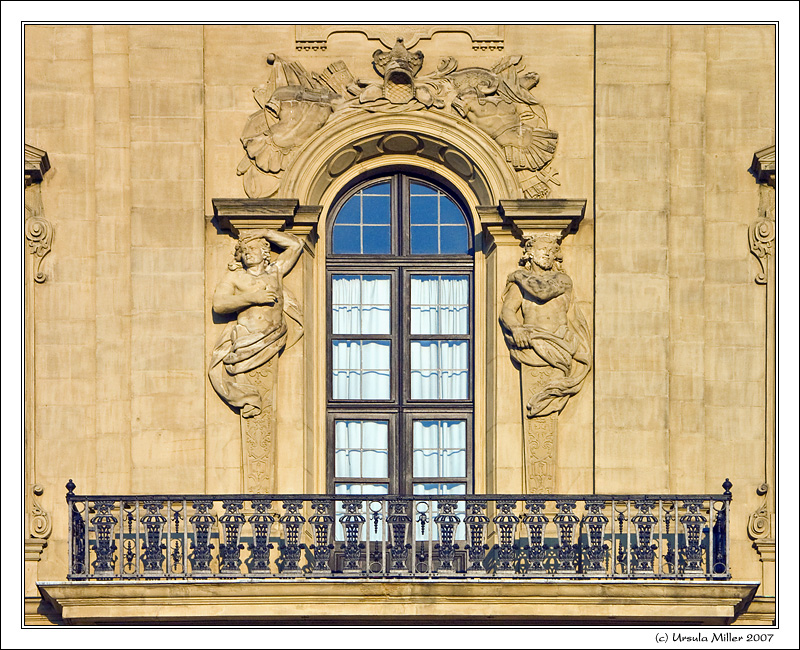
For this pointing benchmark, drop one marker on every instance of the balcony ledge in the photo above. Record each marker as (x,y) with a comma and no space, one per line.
(400,601)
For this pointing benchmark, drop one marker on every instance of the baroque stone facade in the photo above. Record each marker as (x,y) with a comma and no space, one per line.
(656,377)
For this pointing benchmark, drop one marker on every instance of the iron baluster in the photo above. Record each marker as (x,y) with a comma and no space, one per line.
(292,522)
(595,523)
(398,521)
(476,522)
(153,555)
(261,522)
(719,538)
(104,546)
(535,521)
(447,521)
(176,555)
(422,559)
(375,554)
(77,537)
(692,552)
(202,521)
(230,551)
(322,521)
(506,522)
(643,552)
(622,550)
(352,521)
(672,542)
(566,521)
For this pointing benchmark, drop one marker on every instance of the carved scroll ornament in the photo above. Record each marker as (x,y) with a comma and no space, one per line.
(761,234)
(38,231)
(295,104)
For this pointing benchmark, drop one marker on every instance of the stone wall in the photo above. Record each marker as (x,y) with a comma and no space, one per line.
(142,126)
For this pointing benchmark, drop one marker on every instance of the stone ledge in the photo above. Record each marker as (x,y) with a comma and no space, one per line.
(401,601)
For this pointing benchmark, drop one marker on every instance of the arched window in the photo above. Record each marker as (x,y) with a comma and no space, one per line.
(400,340)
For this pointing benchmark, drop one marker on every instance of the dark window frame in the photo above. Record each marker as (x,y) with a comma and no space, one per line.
(400,410)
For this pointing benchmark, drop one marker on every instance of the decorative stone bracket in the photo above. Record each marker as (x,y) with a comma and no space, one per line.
(38,230)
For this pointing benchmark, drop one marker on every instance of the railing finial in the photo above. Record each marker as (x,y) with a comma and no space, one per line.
(70,487)
(727,485)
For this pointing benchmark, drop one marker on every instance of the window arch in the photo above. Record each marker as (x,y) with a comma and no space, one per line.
(400,269)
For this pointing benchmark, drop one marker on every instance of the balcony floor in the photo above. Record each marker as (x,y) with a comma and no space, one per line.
(398,601)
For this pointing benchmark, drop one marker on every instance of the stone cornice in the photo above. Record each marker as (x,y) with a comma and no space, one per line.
(400,601)
(36,164)
(524,218)
(234,215)
(764,166)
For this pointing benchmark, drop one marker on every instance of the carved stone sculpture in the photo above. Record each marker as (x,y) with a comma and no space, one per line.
(549,338)
(293,106)
(243,367)
(296,103)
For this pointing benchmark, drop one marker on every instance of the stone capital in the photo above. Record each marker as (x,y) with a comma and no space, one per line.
(531,217)
(236,215)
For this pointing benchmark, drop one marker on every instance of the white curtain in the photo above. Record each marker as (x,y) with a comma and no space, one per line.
(439,304)
(440,448)
(361,369)
(439,369)
(362,449)
(361,304)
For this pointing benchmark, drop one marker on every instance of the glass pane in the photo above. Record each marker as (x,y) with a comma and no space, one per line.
(360,304)
(450,213)
(440,448)
(361,369)
(418,189)
(363,223)
(377,240)
(439,304)
(346,239)
(350,213)
(376,208)
(438,225)
(424,240)
(439,369)
(425,210)
(362,449)
(454,240)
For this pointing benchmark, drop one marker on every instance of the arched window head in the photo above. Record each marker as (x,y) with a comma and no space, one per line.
(399,215)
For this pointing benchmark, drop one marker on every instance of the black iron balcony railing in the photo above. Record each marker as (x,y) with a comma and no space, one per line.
(301,536)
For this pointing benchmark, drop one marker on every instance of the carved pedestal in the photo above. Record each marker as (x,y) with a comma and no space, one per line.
(258,433)
(540,435)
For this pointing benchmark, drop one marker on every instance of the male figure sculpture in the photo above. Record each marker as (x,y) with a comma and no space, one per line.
(552,332)
(253,289)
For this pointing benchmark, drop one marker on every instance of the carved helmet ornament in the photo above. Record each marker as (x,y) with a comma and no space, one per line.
(295,104)
(398,67)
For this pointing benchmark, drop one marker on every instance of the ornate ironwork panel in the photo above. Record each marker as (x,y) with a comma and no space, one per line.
(192,537)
